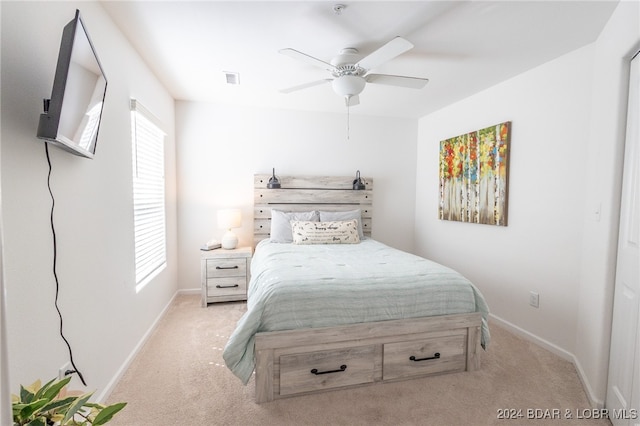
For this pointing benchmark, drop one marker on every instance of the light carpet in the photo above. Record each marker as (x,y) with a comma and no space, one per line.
(179,378)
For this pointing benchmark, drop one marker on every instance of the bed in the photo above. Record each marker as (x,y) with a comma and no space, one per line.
(331,316)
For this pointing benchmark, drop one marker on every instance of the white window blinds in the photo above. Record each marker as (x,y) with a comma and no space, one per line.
(148,194)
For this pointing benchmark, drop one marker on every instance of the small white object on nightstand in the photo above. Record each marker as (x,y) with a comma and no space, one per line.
(229,219)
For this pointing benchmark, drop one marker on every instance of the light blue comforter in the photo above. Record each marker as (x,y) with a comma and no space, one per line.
(300,286)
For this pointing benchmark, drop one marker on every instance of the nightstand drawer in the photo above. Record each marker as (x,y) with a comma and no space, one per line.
(226,286)
(233,267)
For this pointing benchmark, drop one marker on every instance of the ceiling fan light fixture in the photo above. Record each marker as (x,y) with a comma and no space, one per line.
(348,85)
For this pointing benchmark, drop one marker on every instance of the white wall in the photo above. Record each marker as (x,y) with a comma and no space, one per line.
(221,147)
(104,319)
(567,127)
(605,150)
(540,248)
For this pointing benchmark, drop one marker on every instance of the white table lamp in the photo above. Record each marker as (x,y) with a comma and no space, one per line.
(229,219)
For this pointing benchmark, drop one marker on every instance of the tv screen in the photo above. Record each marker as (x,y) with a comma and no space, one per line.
(71,118)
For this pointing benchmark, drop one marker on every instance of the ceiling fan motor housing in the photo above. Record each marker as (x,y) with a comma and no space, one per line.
(347,56)
(348,79)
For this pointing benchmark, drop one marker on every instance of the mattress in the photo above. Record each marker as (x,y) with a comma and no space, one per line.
(308,286)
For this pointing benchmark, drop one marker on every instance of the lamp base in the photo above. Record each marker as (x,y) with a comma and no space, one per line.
(229,240)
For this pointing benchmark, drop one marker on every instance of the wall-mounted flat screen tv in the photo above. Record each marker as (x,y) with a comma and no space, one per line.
(72,116)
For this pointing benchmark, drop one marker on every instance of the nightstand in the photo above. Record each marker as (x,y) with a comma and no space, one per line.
(224,274)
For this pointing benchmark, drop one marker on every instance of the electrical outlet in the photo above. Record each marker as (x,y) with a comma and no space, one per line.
(62,371)
(534,299)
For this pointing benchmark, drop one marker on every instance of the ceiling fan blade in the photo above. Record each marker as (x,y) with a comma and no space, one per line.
(306,58)
(352,100)
(305,85)
(397,80)
(385,53)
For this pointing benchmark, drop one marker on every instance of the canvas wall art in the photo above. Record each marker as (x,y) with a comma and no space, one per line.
(474,170)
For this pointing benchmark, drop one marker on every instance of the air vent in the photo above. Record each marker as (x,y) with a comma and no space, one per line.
(232,77)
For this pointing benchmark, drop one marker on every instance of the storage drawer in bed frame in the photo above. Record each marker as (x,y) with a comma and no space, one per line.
(320,370)
(416,358)
(307,361)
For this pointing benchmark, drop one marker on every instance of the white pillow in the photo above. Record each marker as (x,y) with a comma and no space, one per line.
(345,215)
(281,224)
(338,232)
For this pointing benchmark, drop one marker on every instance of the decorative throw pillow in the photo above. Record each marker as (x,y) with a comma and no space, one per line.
(345,215)
(338,232)
(281,224)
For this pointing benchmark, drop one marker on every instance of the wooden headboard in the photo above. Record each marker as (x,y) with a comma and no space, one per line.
(305,193)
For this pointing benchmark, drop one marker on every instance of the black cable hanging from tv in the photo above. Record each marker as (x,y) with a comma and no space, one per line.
(55,273)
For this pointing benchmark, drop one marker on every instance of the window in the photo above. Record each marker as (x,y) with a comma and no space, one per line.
(148,194)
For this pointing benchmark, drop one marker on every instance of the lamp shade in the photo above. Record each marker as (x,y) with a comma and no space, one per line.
(229,218)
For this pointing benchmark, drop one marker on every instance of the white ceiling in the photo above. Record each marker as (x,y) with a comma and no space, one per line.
(462,47)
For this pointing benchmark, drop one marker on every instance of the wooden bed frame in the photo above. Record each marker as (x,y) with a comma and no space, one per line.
(304,361)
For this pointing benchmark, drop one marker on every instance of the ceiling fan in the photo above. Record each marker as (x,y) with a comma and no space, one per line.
(349,75)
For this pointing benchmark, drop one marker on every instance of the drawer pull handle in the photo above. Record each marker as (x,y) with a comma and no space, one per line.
(435,356)
(227,267)
(227,286)
(317,373)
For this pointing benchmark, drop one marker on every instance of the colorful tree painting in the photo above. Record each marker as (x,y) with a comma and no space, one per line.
(473,176)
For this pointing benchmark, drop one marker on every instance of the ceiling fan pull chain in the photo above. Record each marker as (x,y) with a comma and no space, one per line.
(348,121)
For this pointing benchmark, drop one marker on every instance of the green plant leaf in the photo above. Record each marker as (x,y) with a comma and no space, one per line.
(33,407)
(17,408)
(58,405)
(53,388)
(94,405)
(40,421)
(75,406)
(41,391)
(107,413)
(26,396)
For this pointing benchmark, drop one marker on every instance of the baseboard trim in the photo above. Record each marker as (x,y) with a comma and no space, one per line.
(595,402)
(102,397)
(562,353)
(189,291)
